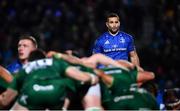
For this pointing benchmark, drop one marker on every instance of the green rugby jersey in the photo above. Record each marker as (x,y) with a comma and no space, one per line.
(122,79)
(120,95)
(43,83)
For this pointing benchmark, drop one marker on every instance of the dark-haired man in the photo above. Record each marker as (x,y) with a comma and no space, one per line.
(115,43)
(171,99)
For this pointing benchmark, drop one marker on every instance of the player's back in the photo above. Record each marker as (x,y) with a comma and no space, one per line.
(123,79)
(134,99)
(49,68)
(43,79)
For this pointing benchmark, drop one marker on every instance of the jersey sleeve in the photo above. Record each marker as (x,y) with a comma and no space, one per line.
(134,73)
(14,67)
(114,83)
(13,84)
(60,65)
(97,46)
(131,46)
(106,96)
(121,82)
(3,84)
(87,69)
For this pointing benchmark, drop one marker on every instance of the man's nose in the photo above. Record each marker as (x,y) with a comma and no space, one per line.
(20,48)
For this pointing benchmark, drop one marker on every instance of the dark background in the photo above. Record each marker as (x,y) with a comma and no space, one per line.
(75,24)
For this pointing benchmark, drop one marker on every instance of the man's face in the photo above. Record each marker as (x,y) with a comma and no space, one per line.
(25,46)
(113,24)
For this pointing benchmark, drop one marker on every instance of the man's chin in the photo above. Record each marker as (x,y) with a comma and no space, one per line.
(114,32)
(22,58)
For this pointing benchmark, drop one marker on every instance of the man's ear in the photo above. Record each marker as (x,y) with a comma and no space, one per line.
(107,24)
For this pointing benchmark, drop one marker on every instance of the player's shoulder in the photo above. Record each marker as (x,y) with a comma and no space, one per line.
(57,60)
(15,65)
(125,34)
(103,36)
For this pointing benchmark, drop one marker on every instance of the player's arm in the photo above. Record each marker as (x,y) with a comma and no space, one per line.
(102,59)
(129,65)
(97,46)
(126,64)
(69,58)
(12,91)
(107,79)
(7,97)
(134,58)
(76,74)
(5,74)
(132,52)
(144,76)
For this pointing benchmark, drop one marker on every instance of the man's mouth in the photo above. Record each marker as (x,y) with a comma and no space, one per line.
(20,54)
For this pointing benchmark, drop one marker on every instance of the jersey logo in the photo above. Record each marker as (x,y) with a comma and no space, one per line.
(107,42)
(37,87)
(122,40)
(118,71)
(24,98)
(125,97)
(114,46)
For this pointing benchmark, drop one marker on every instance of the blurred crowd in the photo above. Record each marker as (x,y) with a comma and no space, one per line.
(75,24)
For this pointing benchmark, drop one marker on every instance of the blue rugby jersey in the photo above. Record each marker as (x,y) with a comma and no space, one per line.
(117,47)
(14,67)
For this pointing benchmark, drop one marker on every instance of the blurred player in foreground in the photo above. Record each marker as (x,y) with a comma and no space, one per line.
(41,78)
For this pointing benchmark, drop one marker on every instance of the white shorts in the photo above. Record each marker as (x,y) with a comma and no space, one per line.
(94,90)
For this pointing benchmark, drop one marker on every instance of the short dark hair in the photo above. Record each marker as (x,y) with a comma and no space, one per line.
(112,15)
(36,54)
(171,98)
(31,38)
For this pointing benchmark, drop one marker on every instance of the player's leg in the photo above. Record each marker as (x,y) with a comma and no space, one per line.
(17,106)
(92,100)
(66,104)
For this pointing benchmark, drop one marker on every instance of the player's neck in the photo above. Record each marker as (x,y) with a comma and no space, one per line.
(24,61)
(113,34)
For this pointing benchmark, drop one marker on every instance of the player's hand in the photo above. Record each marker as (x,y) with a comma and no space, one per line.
(51,53)
(140,68)
(5,74)
(99,72)
(94,79)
